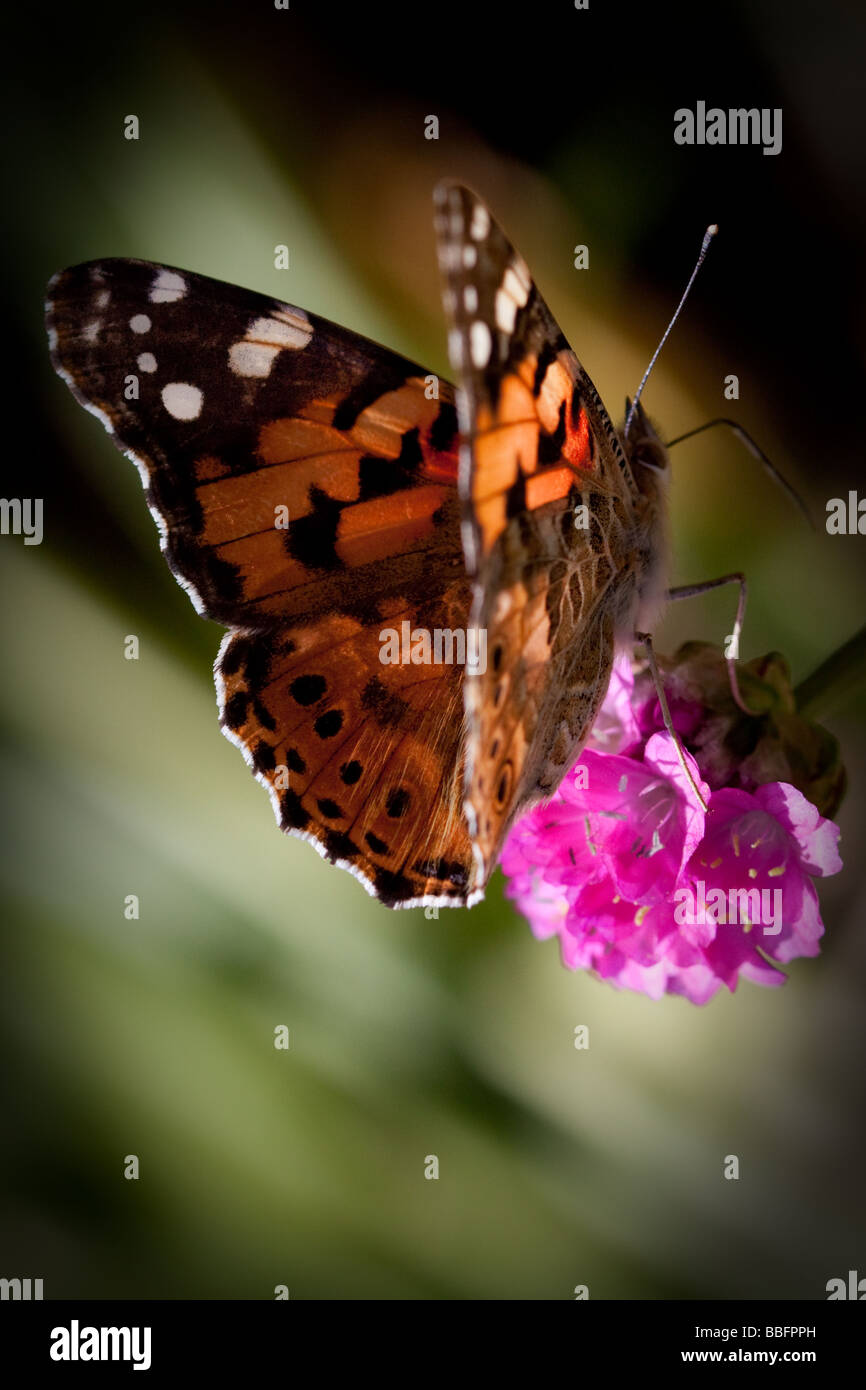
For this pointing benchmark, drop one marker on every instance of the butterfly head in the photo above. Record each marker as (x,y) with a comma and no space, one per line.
(647,455)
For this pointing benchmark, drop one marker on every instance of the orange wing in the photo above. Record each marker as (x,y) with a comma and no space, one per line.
(304,485)
(548,500)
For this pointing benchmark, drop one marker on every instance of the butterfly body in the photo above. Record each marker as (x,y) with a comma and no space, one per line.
(314,493)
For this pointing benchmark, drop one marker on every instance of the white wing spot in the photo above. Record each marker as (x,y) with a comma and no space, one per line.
(470,256)
(167,287)
(101,300)
(255,353)
(521,270)
(470,299)
(140,323)
(455,348)
(251,359)
(146,362)
(480,222)
(506,311)
(182,401)
(480,343)
(90,331)
(288,328)
(515,287)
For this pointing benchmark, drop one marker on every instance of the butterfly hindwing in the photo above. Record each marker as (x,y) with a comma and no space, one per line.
(546,494)
(364,759)
(304,484)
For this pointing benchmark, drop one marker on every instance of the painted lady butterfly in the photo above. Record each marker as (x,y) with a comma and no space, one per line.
(511,506)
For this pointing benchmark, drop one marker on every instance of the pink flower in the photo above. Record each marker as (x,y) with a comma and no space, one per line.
(649,890)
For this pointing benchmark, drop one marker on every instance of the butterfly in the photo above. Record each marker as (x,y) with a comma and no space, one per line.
(315,491)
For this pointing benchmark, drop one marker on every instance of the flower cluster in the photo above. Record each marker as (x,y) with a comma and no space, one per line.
(657,888)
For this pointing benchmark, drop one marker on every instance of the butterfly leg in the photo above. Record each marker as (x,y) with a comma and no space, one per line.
(732,641)
(647,642)
(757,452)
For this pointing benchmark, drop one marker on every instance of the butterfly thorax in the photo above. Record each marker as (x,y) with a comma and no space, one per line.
(648,461)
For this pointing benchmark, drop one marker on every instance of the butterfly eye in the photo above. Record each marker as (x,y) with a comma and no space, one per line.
(650,454)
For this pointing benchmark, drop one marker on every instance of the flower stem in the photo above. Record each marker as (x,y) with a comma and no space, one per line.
(836,680)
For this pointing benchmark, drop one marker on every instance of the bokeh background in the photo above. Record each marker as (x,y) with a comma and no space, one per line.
(412,1037)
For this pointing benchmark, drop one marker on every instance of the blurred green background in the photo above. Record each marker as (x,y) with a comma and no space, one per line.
(412,1037)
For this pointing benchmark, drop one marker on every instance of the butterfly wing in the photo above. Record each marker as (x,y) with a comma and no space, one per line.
(547,499)
(304,485)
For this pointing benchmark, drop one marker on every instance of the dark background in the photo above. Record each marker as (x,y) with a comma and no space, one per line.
(411,1036)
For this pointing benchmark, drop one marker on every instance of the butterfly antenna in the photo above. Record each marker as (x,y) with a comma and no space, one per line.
(705,244)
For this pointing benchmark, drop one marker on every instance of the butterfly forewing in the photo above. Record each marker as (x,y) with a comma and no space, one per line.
(304,484)
(546,495)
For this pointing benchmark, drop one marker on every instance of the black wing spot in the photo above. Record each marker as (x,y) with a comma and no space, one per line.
(393,888)
(329,724)
(264,717)
(257,663)
(312,539)
(378,477)
(443,431)
(550,445)
(411,455)
(306,690)
(292,814)
(264,758)
(338,845)
(330,809)
(397,803)
(237,653)
(295,762)
(545,357)
(515,497)
(503,785)
(377,846)
(235,713)
(350,772)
